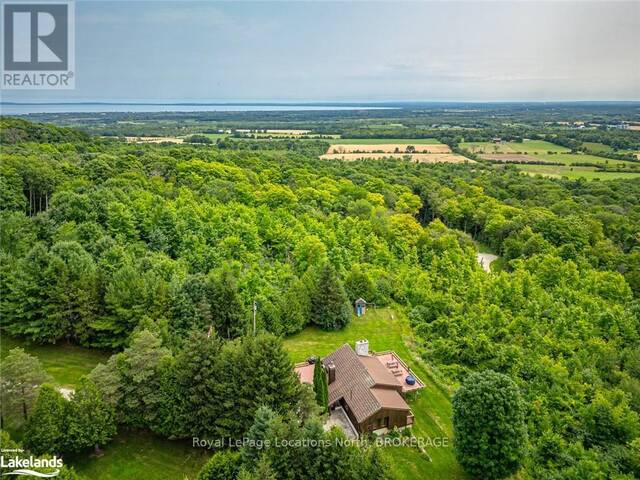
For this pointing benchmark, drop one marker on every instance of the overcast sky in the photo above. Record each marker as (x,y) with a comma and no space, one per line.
(353,51)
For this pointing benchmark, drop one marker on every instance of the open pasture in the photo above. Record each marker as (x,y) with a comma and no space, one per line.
(597,147)
(561,158)
(525,147)
(572,158)
(510,158)
(589,173)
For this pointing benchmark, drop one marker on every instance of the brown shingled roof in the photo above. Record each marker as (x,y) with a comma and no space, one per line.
(356,377)
(380,374)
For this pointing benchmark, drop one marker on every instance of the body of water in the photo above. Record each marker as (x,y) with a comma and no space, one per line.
(25,109)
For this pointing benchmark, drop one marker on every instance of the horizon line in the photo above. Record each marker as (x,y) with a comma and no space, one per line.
(317,102)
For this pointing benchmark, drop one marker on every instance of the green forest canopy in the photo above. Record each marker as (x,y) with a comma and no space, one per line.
(101,240)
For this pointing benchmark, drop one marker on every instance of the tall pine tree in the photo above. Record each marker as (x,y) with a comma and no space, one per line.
(20,376)
(320,386)
(330,307)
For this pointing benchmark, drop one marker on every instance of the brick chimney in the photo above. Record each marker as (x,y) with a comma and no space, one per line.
(362,347)
(331,372)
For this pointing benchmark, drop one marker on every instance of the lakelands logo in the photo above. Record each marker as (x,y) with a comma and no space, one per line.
(24,466)
(39,45)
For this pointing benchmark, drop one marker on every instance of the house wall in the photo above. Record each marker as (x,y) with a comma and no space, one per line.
(397,418)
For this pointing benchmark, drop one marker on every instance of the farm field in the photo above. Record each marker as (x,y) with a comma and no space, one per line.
(597,147)
(154,139)
(510,157)
(415,157)
(262,135)
(590,173)
(526,147)
(387,148)
(562,158)
(570,158)
(379,141)
(387,329)
(214,136)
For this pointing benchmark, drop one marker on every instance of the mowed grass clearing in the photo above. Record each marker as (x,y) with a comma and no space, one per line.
(386,329)
(66,363)
(142,455)
(131,454)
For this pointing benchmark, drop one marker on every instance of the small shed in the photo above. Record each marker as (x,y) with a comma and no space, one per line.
(361,307)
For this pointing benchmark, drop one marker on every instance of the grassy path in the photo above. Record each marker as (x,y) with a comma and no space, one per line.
(387,330)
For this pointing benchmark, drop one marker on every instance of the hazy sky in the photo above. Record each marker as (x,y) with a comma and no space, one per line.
(363,51)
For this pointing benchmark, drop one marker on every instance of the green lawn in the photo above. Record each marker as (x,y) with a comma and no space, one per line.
(142,455)
(589,173)
(382,141)
(387,330)
(64,362)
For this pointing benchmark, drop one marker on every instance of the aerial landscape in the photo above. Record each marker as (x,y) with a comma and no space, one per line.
(226,266)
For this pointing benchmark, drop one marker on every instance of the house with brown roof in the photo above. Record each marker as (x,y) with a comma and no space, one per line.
(370,388)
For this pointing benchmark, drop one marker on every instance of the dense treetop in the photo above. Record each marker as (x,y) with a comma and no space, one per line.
(103,242)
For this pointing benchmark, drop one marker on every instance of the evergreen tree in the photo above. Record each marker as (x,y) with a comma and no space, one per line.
(249,372)
(195,365)
(259,432)
(224,465)
(320,385)
(227,310)
(190,308)
(271,380)
(90,420)
(73,295)
(20,376)
(293,307)
(330,307)
(307,406)
(263,470)
(376,465)
(141,380)
(245,474)
(44,431)
(25,305)
(108,379)
(489,427)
